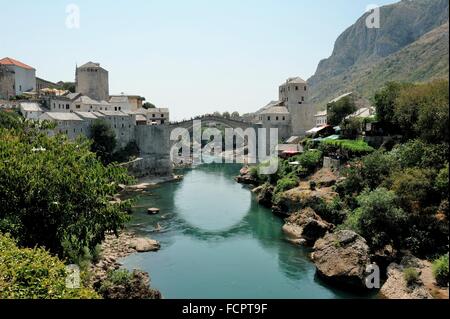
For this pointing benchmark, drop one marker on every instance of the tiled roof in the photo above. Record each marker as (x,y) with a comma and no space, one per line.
(90,65)
(30,107)
(63,116)
(87,115)
(321,113)
(112,113)
(340,97)
(276,110)
(10,61)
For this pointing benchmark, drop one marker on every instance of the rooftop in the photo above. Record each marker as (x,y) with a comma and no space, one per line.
(276,110)
(63,116)
(30,107)
(341,97)
(295,80)
(87,115)
(321,113)
(10,61)
(113,113)
(90,65)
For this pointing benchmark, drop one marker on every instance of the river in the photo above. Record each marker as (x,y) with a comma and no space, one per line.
(218,242)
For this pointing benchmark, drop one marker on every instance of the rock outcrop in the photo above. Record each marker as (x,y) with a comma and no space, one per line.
(135,287)
(396,287)
(246,177)
(342,258)
(306,225)
(264,194)
(301,197)
(143,245)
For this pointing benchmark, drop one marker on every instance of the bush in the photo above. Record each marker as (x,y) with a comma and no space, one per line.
(56,193)
(440,270)
(418,153)
(414,187)
(441,183)
(411,276)
(337,111)
(345,148)
(34,274)
(103,140)
(286,183)
(378,219)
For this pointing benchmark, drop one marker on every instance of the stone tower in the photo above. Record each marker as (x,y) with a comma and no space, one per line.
(92,80)
(294,95)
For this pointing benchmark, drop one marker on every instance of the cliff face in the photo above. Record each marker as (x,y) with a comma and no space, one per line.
(411,45)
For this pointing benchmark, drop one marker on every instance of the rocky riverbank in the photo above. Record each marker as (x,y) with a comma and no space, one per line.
(342,257)
(114,248)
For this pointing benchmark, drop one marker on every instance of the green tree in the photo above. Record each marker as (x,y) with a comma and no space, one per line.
(56,193)
(235,115)
(384,101)
(338,110)
(378,219)
(148,105)
(34,274)
(103,140)
(226,115)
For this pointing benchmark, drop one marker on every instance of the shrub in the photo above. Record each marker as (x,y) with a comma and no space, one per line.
(309,160)
(411,276)
(312,185)
(441,182)
(378,219)
(414,187)
(56,193)
(104,140)
(440,270)
(418,153)
(286,183)
(338,110)
(34,274)
(345,148)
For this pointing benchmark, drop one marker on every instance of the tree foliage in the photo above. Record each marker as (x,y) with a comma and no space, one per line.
(103,140)
(32,273)
(338,110)
(56,194)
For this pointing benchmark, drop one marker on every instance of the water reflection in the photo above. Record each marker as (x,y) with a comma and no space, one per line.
(236,251)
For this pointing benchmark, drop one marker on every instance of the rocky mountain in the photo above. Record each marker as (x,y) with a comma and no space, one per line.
(410,45)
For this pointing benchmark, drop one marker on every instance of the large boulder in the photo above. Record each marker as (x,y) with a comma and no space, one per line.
(145,244)
(396,287)
(306,225)
(342,257)
(264,194)
(301,197)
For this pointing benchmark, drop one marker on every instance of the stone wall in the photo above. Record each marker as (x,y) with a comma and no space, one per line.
(154,144)
(6,82)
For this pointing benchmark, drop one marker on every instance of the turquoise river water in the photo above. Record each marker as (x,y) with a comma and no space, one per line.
(218,242)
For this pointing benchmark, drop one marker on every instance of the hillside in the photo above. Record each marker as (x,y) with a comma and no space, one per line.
(411,45)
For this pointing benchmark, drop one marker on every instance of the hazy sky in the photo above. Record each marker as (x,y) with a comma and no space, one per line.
(193,56)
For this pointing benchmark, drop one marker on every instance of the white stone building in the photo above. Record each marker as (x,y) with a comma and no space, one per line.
(92,80)
(66,123)
(126,102)
(321,118)
(24,75)
(31,110)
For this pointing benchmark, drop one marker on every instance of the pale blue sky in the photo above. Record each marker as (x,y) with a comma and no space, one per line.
(193,56)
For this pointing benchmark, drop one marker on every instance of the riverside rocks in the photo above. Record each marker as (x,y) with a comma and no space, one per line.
(136,287)
(306,225)
(342,258)
(264,195)
(396,286)
(114,248)
(301,197)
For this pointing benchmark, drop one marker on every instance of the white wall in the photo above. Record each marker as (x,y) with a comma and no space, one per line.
(25,80)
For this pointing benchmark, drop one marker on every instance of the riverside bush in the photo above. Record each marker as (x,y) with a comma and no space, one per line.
(55,193)
(411,276)
(32,273)
(440,270)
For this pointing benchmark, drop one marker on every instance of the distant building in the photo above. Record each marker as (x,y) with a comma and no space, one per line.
(67,123)
(92,81)
(127,102)
(292,106)
(31,111)
(44,84)
(24,76)
(321,118)
(7,83)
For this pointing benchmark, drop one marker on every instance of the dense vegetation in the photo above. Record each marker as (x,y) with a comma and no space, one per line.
(55,193)
(32,273)
(397,194)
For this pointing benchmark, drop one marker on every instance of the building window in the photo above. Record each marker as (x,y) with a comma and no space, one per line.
(300,102)
(78,106)
(296,88)
(162,121)
(305,87)
(162,115)
(284,118)
(115,108)
(303,98)
(153,115)
(268,118)
(276,118)
(67,106)
(120,108)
